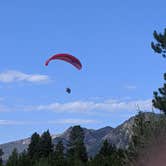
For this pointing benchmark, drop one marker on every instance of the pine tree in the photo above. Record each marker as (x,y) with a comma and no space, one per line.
(1,154)
(59,150)
(109,155)
(42,162)
(106,149)
(33,149)
(146,129)
(76,149)
(159,101)
(137,139)
(13,159)
(160,46)
(58,157)
(103,157)
(45,145)
(24,159)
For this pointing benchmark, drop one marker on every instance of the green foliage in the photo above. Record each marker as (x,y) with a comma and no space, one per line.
(159,101)
(1,154)
(58,155)
(24,159)
(109,155)
(160,46)
(76,154)
(13,159)
(106,149)
(40,147)
(76,135)
(42,162)
(137,139)
(59,150)
(149,130)
(138,131)
(33,149)
(45,145)
(39,152)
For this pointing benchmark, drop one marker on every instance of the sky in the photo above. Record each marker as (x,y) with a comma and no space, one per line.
(111,39)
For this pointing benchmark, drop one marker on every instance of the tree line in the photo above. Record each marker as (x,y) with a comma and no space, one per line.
(148,130)
(42,152)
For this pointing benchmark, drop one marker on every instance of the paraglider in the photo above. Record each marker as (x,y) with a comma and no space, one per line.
(67,58)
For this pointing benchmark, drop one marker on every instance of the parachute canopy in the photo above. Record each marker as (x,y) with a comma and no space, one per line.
(66,57)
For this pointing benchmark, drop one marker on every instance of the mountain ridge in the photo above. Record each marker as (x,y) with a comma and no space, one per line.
(119,136)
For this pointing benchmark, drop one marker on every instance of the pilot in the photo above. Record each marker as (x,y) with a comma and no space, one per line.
(68,90)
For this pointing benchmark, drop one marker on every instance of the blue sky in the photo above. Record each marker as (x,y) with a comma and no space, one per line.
(111,39)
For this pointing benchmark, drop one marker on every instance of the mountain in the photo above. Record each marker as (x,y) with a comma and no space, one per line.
(20,145)
(120,136)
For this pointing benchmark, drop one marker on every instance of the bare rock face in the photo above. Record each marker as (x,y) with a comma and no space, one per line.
(121,135)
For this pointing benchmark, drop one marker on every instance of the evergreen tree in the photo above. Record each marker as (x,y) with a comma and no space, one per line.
(159,101)
(45,145)
(103,157)
(24,159)
(58,157)
(59,149)
(148,132)
(42,162)
(106,149)
(13,159)
(160,46)
(77,154)
(33,149)
(109,155)
(137,139)
(1,154)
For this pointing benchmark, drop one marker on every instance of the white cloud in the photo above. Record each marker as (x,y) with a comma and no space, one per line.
(130,87)
(11,122)
(15,76)
(51,122)
(74,121)
(71,106)
(86,106)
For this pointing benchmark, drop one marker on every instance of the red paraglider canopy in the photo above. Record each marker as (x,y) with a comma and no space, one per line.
(66,57)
